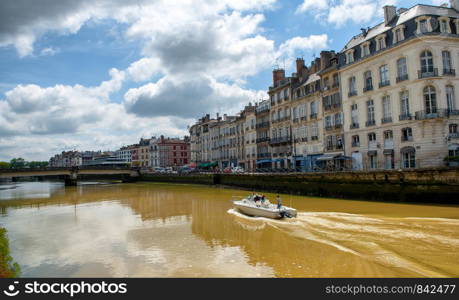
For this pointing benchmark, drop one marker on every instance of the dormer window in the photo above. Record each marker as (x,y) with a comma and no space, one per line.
(423,25)
(444,25)
(456,23)
(350,56)
(380,42)
(399,34)
(365,49)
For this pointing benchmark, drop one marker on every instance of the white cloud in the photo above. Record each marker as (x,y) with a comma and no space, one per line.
(49,51)
(340,12)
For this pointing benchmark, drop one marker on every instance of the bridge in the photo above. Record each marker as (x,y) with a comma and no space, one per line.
(71,174)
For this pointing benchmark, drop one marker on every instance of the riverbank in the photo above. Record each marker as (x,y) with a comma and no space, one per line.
(427,186)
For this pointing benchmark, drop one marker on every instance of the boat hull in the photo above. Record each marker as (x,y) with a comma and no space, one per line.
(259,211)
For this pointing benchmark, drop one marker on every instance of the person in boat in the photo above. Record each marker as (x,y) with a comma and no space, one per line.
(256,198)
(279,202)
(263,199)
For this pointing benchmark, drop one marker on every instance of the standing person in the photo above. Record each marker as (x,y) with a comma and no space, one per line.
(279,202)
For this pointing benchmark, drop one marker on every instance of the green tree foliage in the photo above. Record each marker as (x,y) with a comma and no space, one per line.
(8,268)
(17,163)
(4,165)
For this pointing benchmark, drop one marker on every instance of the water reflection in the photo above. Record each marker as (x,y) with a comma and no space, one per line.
(156,230)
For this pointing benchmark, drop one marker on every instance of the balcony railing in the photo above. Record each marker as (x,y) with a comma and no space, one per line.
(263,125)
(454,135)
(354,126)
(304,118)
(352,93)
(449,72)
(401,78)
(407,138)
(314,138)
(264,155)
(386,120)
(335,85)
(313,116)
(432,114)
(261,140)
(370,123)
(367,88)
(405,117)
(428,73)
(296,120)
(281,140)
(329,127)
(338,126)
(384,83)
(262,110)
(355,144)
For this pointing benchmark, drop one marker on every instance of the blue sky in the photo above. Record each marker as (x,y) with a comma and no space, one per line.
(87,76)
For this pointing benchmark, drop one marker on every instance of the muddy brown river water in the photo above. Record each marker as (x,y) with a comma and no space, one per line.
(168,230)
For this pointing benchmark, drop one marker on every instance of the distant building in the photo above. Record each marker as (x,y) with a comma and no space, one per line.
(169,152)
(66,159)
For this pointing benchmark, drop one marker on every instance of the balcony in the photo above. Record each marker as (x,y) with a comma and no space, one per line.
(433,114)
(428,73)
(370,123)
(449,72)
(401,78)
(355,144)
(372,146)
(281,140)
(313,116)
(354,126)
(386,120)
(454,135)
(338,126)
(367,88)
(314,138)
(261,110)
(263,125)
(262,140)
(335,85)
(384,83)
(296,120)
(352,94)
(264,155)
(329,127)
(405,117)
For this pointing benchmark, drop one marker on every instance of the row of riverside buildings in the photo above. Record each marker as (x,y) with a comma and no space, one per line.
(388,100)
(148,153)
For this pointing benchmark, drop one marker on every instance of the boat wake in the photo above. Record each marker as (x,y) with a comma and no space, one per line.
(386,241)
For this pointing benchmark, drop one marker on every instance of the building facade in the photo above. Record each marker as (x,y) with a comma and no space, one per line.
(169,152)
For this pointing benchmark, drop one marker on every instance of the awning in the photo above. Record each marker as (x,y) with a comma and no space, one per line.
(204,165)
(214,164)
(372,152)
(278,160)
(388,151)
(326,157)
(263,161)
(342,157)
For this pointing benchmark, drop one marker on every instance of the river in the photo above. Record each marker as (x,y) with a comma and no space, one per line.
(172,230)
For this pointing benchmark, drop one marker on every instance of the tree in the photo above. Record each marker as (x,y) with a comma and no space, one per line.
(8,268)
(17,163)
(4,165)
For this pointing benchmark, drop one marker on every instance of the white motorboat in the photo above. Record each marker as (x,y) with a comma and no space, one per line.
(264,208)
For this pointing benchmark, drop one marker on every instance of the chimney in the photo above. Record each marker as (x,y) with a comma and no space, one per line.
(278,75)
(325,57)
(390,12)
(299,66)
(454,4)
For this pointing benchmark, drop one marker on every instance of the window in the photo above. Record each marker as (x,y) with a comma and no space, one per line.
(370,113)
(338,119)
(354,116)
(373,162)
(387,113)
(443,26)
(371,137)
(450,98)
(368,81)
(404,105)
(423,28)
(328,122)
(430,100)
(446,58)
(402,70)
(315,130)
(408,157)
(352,88)
(389,161)
(384,75)
(365,49)
(407,134)
(313,109)
(452,128)
(335,80)
(355,141)
(398,35)
(427,65)
(350,56)
(381,42)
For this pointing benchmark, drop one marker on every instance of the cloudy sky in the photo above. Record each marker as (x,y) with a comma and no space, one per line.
(91,75)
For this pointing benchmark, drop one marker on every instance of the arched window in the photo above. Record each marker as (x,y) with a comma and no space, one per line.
(427,65)
(408,157)
(430,100)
